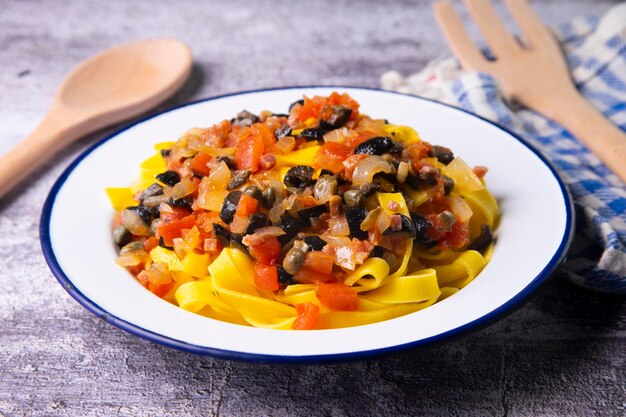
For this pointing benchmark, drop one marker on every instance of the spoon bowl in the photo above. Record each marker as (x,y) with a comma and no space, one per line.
(113,86)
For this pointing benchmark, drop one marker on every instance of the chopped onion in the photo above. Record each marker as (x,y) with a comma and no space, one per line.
(128,260)
(338,226)
(239,224)
(269,231)
(285,144)
(219,178)
(155,200)
(275,213)
(463,175)
(383,222)
(366,168)
(460,208)
(183,189)
(135,224)
(337,135)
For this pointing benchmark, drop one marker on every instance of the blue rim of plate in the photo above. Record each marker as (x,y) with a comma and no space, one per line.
(507,308)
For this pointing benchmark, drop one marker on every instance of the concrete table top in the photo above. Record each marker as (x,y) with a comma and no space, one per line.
(563,353)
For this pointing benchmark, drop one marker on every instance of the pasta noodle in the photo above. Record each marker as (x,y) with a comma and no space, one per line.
(360,221)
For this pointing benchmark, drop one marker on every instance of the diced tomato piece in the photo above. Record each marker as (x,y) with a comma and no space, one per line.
(159,289)
(331,156)
(337,296)
(206,219)
(216,135)
(312,107)
(355,140)
(456,238)
(262,132)
(308,275)
(177,213)
(248,154)
(199,164)
(136,269)
(417,151)
(266,277)
(344,100)
(150,243)
(173,165)
(319,261)
(247,205)
(170,231)
(266,251)
(308,313)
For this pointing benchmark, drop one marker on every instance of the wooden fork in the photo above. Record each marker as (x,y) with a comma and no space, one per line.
(532,73)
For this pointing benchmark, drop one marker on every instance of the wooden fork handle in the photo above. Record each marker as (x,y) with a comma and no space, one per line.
(589,126)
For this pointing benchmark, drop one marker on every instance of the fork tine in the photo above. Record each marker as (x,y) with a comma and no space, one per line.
(491,27)
(535,33)
(452,27)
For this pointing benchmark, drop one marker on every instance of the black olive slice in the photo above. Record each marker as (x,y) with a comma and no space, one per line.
(229,206)
(374,146)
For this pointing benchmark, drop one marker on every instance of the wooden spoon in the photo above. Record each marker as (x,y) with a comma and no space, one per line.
(113,86)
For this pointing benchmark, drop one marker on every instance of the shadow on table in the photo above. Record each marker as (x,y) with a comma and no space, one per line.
(554,348)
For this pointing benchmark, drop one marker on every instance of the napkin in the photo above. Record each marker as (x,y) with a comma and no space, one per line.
(596,52)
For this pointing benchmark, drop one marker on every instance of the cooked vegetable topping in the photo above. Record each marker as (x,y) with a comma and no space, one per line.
(304,215)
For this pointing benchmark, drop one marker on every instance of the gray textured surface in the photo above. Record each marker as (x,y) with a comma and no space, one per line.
(561,354)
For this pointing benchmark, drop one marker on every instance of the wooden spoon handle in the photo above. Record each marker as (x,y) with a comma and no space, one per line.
(54,133)
(588,125)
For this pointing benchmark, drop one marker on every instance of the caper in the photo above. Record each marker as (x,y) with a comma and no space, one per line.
(253,191)
(121,235)
(132,247)
(325,187)
(269,197)
(293,261)
(353,198)
(369,189)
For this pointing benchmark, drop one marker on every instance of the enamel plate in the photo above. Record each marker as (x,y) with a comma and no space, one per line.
(533,235)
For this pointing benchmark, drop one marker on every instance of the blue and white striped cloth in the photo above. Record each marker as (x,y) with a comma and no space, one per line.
(596,52)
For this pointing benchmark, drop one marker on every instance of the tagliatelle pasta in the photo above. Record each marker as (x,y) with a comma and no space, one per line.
(316,219)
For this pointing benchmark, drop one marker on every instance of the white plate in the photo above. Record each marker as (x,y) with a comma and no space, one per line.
(534,233)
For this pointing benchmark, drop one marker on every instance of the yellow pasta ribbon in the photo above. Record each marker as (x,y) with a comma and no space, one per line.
(408,289)
(375,269)
(163,145)
(194,296)
(121,197)
(301,157)
(233,270)
(485,208)
(462,271)
(151,167)
(447,292)
(338,319)
(232,275)
(404,134)
(165,256)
